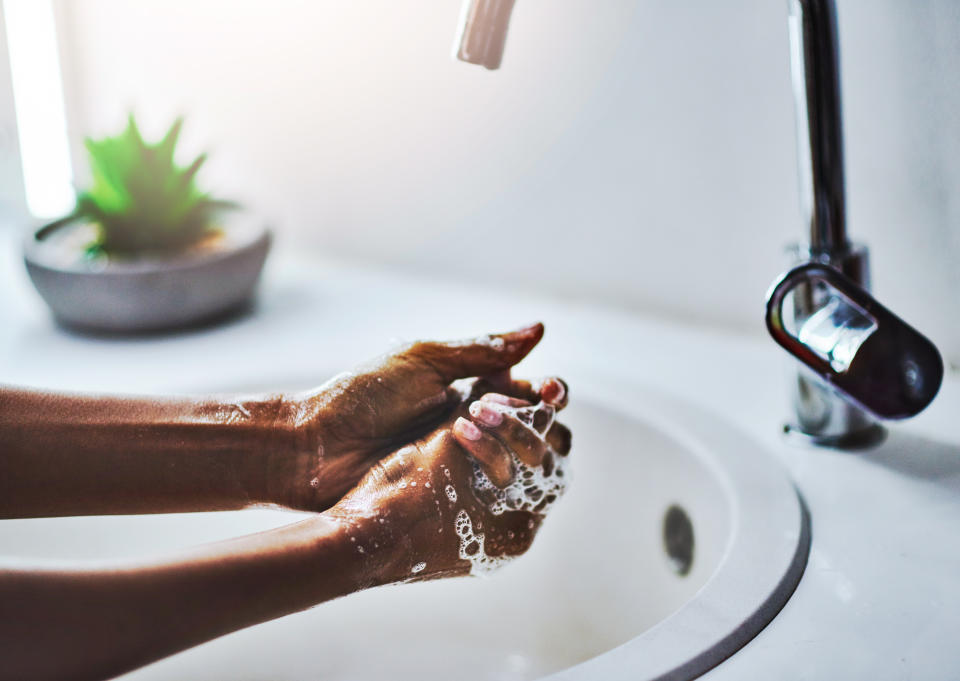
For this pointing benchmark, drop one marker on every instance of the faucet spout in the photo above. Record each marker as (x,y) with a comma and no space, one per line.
(482,34)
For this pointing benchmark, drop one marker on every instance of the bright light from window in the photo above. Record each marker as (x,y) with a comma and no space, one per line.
(38,100)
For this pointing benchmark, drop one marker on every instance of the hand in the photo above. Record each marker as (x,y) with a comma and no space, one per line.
(430,510)
(343,427)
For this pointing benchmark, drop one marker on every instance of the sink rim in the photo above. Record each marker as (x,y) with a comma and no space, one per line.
(752,583)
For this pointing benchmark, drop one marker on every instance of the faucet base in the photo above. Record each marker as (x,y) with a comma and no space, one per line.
(821,416)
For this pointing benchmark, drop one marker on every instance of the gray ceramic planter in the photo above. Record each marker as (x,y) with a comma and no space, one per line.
(148,294)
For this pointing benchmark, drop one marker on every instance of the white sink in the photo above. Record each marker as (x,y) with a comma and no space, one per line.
(596,597)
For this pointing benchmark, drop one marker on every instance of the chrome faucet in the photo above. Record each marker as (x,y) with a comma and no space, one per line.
(861,362)
(815,69)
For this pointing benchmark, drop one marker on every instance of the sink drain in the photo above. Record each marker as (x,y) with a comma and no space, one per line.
(678,539)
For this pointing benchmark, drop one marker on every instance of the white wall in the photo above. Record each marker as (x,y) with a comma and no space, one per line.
(639,152)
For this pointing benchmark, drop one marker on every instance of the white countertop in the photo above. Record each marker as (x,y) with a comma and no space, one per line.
(880,598)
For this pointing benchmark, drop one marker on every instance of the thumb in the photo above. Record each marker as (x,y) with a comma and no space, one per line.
(477,356)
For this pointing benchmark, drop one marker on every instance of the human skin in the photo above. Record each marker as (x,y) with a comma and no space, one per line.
(399,523)
(407,505)
(80,455)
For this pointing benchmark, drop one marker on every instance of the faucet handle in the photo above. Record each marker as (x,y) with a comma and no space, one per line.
(853,343)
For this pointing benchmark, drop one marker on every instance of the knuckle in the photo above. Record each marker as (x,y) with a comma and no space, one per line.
(392,469)
(409,348)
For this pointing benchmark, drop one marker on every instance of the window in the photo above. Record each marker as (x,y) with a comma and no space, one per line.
(32,113)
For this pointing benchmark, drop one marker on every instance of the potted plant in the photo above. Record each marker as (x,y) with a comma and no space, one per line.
(145,249)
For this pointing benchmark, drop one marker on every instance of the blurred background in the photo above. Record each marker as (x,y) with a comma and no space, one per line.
(633,153)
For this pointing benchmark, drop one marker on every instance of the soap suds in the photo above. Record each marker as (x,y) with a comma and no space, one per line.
(494,342)
(534,489)
(531,490)
(472,547)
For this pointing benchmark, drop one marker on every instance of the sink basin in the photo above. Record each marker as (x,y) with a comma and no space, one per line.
(678,541)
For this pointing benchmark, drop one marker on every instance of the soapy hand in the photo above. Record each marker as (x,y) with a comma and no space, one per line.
(465,498)
(343,427)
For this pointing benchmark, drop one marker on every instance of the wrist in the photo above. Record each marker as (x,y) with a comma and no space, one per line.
(258,433)
(290,469)
(366,548)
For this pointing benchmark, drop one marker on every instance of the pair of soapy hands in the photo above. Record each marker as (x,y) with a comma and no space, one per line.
(424,500)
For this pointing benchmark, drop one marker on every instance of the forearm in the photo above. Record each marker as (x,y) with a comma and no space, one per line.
(92,624)
(77,455)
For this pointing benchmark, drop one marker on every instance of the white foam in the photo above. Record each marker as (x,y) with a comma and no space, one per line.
(451,493)
(480,562)
(494,342)
(418,567)
(532,490)
(530,486)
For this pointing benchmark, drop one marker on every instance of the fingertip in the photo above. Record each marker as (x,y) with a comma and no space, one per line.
(554,392)
(464,429)
(483,356)
(486,414)
(505,400)
(534,330)
(519,343)
(486,450)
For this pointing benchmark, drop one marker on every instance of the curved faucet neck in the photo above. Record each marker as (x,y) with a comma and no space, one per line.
(815,66)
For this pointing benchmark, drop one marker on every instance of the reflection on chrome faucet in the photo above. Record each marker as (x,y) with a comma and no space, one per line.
(855,345)
(837,331)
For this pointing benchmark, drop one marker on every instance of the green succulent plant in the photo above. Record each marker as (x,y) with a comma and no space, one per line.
(140,200)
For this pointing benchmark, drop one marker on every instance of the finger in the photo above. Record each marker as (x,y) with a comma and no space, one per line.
(554,391)
(486,449)
(559,438)
(512,534)
(494,383)
(505,400)
(504,384)
(499,382)
(477,357)
(540,417)
(515,435)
